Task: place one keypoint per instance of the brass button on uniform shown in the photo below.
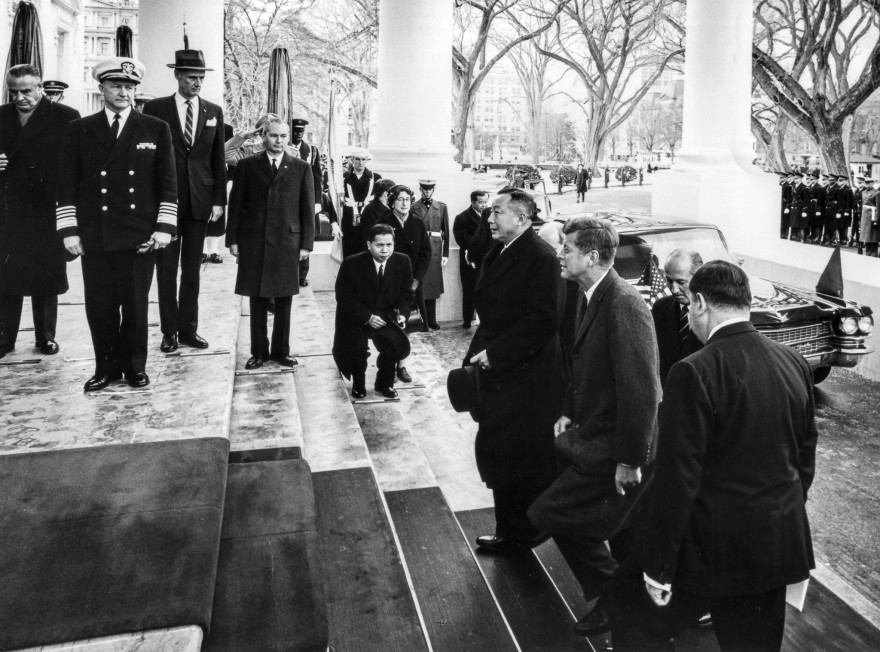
(103, 191)
(103, 173)
(131, 172)
(103, 208)
(132, 205)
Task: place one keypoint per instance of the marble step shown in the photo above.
(265, 409)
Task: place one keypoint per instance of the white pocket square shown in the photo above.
(146, 145)
(211, 123)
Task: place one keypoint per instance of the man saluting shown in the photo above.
(117, 205)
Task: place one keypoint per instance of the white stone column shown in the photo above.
(160, 34)
(412, 139)
(713, 179)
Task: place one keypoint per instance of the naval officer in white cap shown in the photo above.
(117, 205)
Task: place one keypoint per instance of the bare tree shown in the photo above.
(803, 62)
(532, 67)
(469, 55)
(618, 49)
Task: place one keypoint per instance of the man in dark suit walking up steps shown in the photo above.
(373, 298)
(200, 160)
(725, 527)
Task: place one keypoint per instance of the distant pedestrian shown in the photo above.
(559, 180)
(581, 183)
(607, 176)
(641, 175)
(649, 168)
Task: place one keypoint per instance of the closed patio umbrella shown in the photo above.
(27, 40)
(124, 42)
(280, 98)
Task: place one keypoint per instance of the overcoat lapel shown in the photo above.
(201, 119)
(593, 307)
(22, 135)
(101, 129)
(283, 168)
(499, 262)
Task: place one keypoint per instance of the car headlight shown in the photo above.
(849, 325)
(866, 324)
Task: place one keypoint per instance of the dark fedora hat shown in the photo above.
(189, 59)
(463, 387)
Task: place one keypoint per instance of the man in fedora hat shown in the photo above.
(117, 205)
(308, 153)
(200, 158)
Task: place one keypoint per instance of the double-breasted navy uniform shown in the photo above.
(114, 194)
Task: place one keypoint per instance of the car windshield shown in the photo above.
(636, 249)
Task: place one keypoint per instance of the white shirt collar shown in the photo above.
(181, 101)
(277, 157)
(377, 264)
(123, 117)
(589, 293)
(726, 322)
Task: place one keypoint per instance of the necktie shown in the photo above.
(189, 124)
(683, 326)
(274, 166)
(114, 128)
(381, 271)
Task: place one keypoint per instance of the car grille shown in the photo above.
(810, 339)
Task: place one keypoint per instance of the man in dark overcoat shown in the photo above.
(519, 296)
(464, 228)
(435, 215)
(197, 131)
(675, 338)
(785, 208)
(410, 238)
(373, 296)
(32, 262)
(800, 207)
(725, 528)
(378, 210)
(357, 188)
(310, 154)
(606, 436)
(117, 205)
(271, 228)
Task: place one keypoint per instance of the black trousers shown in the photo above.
(280, 345)
(468, 281)
(117, 287)
(180, 313)
(391, 349)
(592, 561)
(741, 622)
(45, 311)
(511, 521)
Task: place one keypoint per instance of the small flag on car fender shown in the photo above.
(831, 281)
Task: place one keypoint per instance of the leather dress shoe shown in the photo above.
(494, 543)
(358, 391)
(285, 361)
(169, 344)
(705, 620)
(303, 282)
(597, 621)
(100, 381)
(433, 325)
(204, 258)
(194, 340)
(387, 392)
(403, 375)
(4, 349)
(138, 379)
(255, 362)
(215, 258)
(49, 347)
(466, 325)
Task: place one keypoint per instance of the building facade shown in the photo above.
(100, 18)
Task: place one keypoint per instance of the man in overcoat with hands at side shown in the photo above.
(271, 228)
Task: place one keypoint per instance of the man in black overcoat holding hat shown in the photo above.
(31, 256)
(520, 298)
(271, 228)
(198, 136)
(373, 297)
